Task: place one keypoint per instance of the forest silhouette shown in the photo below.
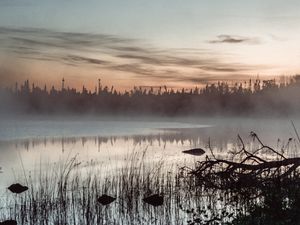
(253, 97)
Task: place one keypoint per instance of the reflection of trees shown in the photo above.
(181, 137)
(161, 139)
(240, 98)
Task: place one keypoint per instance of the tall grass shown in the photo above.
(67, 192)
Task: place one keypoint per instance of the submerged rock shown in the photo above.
(155, 200)
(105, 199)
(17, 188)
(194, 151)
(8, 222)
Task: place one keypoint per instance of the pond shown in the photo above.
(108, 147)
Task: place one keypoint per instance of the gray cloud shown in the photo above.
(231, 39)
(122, 54)
(79, 59)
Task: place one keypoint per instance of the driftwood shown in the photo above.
(247, 169)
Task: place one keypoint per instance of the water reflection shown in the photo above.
(108, 151)
(166, 143)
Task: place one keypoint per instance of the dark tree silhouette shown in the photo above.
(252, 97)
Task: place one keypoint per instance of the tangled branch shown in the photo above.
(246, 169)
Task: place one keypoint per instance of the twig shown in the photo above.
(254, 135)
(210, 149)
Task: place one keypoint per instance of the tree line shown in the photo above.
(220, 98)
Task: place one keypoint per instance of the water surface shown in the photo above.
(26, 145)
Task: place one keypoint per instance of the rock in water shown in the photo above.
(8, 222)
(194, 151)
(17, 188)
(155, 200)
(105, 199)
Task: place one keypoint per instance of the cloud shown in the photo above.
(231, 39)
(79, 59)
(135, 68)
(115, 53)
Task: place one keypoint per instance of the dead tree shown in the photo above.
(247, 169)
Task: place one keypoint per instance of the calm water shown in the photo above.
(28, 144)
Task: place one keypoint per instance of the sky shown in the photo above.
(178, 43)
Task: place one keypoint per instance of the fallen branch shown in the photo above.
(251, 170)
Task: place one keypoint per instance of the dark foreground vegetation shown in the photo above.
(264, 182)
(254, 184)
(263, 97)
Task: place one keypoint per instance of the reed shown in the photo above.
(67, 192)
